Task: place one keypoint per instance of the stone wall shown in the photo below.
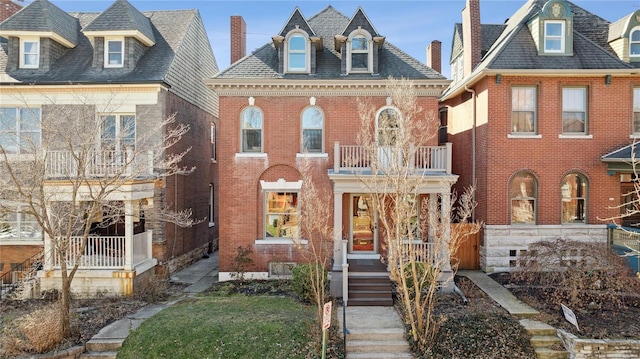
(599, 348)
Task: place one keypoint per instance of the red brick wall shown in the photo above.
(241, 200)
(15, 254)
(8, 8)
(238, 38)
(549, 158)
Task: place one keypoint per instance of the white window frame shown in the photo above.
(635, 121)
(279, 186)
(16, 233)
(383, 130)
(243, 130)
(634, 42)
(108, 40)
(572, 109)
(568, 197)
(211, 208)
(515, 108)
(368, 51)
(18, 132)
(23, 53)
(524, 197)
(305, 52)
(213, 142)
(119, 138)
(561, 37)
(303, 148)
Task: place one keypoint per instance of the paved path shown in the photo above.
(499, 293)
(200, 275)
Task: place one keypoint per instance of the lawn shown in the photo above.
(234, 326)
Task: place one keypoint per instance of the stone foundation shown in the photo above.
(599, 348)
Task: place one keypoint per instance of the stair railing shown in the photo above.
(19, 274)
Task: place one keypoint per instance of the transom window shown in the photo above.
(387, 127)
(282, 212)
(359, 53)
(312, 129)
(574, 198)
(114, 53)
(118, 132)
(574, 110)
(251, 126)
(297, 53)
(636, 110)
(554, 34)
(523, 110)
(523, 192)
(634, 43)
(30, 53)
(19, 129)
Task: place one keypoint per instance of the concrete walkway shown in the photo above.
(200, 275)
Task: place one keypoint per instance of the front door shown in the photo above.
(363, 239)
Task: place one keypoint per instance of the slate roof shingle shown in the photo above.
(121, 15)
(42, 16)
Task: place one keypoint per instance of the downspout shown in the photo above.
(473, 146)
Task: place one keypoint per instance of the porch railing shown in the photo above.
(426, 158)
(418, 250)
(98, 163)
(106, 252)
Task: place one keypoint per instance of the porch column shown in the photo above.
(432, 217)
(337, 230)
(128, 235)
(445, 218)
(48, 253)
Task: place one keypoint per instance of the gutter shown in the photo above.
(473, 145)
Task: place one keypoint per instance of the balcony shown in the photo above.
(98, 164)
(425, 159)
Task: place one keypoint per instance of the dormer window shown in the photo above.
(359, 57)
(297, 53)
(29, 53)
(634, 42)
(554, 36)
(114, 52)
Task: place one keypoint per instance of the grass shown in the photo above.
(235, 326)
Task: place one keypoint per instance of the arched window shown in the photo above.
(387, 127)
(523, 192)
(312, 130)
(297, 53)
(251, 121)
(574, 198)
(359, 53)
(634, 42)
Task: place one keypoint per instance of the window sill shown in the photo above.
(634, 136)
(212, 224)
(21, 242)
(286, 241)
(576, 137)
(312, 155)
(213, 160)
(527, 136)
(251, 155)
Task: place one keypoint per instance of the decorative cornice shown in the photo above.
(251, 87)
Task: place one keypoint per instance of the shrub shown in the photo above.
(302, 282)
(36, 332)
(425, 276)
(150, 289)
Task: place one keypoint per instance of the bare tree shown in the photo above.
(67, 163)
(396, 140)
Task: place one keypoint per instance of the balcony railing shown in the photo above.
(106, 252)
(429, 159)
(98, 163)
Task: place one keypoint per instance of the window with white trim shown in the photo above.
(574, 110)
(118, 132)
(574, 198)
(554, 36)
(636, 110)
(19, 226)
(312, 130)
(213, 141)
(634, 42)
(251, 121)
(282, 213)
(523, 192)
(523, 109)
(114, 52)
(359, 58)
(29, 53)
(211, 218)
(20, 129)
(297, 53)
(388, 127)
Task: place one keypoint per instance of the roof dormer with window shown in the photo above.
(359, 45)
(36, 45)
(552, 29)
(297, 45)
(120, 35)
(624, 37)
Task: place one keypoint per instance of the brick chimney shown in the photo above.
(434, 55)
(472, 35)
(238, 38)
(8, 8)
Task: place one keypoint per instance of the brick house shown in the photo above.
(295, 99)
(129, 70)
(542, 110)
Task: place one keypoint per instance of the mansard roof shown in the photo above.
(122, 16)
(43, 17)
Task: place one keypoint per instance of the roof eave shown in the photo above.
(138, 35)
(47, 34)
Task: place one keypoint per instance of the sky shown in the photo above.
(409, 25)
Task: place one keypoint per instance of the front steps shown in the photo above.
(544, 340)
(102, 348)
(370, 289)
(376, 332)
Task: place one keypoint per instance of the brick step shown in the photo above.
(375, 334)
(546, 353)
(534, 327)
(377, 346)
(540, 341)
(103, 345)
(99, 355)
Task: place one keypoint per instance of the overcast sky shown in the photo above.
(410, 25)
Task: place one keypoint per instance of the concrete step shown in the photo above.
(540, 341)
(546, 353)
(535, 327)
(368, 302)
(375, 334)
(99, 355)
(103, 345)
(377, 346)
(366, 293)
(406, 355)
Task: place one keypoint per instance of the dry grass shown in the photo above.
(35, 332)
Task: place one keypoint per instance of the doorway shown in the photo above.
(363, 239)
